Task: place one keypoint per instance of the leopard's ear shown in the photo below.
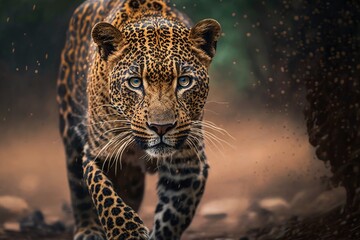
(107, 37)
(205, 35)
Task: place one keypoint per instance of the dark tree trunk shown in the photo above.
(331, 70)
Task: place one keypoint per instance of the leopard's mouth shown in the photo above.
(155, 147)
(161, 146)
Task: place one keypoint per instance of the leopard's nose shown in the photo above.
(161, 129)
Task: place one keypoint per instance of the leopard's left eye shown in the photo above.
(135, 82)
(184, 81)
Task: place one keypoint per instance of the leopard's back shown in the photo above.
(74, 68)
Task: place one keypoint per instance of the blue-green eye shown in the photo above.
(184, 81)
(135, 82)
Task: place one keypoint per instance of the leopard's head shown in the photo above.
(158, 77)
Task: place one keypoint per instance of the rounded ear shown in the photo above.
(107, 37)
(205, 35)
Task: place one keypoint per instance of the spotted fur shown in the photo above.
(131, 90)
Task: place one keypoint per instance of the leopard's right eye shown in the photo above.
(135, 82)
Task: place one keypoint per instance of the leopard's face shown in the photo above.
(158, 80)
(162, 98)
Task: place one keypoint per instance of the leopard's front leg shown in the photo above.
(118, 219)
(180, 188)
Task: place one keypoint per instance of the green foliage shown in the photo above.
(30, 29)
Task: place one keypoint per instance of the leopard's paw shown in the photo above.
(89, 234)
(144, 233)
(141, 233)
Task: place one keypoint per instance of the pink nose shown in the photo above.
(161, 129)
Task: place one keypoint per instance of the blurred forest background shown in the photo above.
(286, 72)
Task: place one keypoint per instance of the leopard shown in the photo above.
(131, 90)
